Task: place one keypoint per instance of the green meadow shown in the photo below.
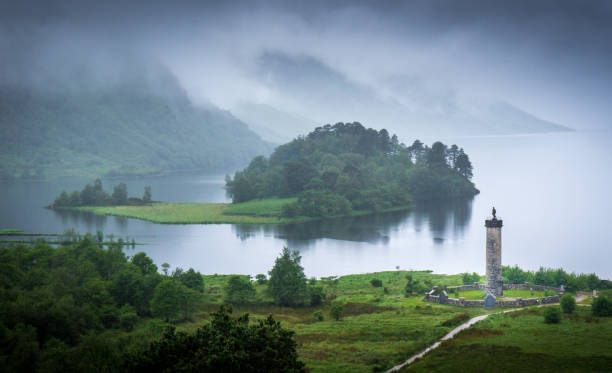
(514, 293)
(261, 211)
(521, 342)
(379, 328)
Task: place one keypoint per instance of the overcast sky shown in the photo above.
(551, 58)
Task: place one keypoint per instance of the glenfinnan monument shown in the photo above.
(494, 267)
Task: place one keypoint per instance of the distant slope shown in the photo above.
(409, 109)
(272, 124)
(143, 124)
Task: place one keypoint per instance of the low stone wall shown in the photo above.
(518, 302)
(475, 286)
(548, 300)
(527, 286)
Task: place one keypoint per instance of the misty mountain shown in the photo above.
(272, 124)
(142, 122)
(405, 106)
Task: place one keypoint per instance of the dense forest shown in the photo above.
(339, 168)
(141, 122)
(82, 308)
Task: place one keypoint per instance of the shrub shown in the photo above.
(239, 290)
(460, 318)
(335, 311)
(385, 290)
(261, 279)
(128, 319)
(568, 303)
(602, 306)
(318, 315)
(376, 282)
(552, 315)
(316, 295)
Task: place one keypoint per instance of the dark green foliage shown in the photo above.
(226, 344)
(469, 279)
(287, 284)
(165, 303)
(602, 306)
(568, 303)
(190, 278)
(125, 127)
(344, 167)
(318, 315)
(555, 277)
(59, 304)
(96, 196)
(335, 311)
(552, 315)
(316, 295)
(239, 290)
(376, 282)
(412, 285)
(261, 279)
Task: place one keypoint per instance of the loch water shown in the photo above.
(551, 190)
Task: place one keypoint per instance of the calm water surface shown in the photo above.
(552, 190)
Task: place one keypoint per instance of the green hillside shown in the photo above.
(144, 124)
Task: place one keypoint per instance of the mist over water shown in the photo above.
(551, 190)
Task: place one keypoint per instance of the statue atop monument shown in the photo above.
(494, 212)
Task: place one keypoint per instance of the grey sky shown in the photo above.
(551, 58)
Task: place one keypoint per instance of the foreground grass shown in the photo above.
(521, 342)
(264, 211)
(378, 329)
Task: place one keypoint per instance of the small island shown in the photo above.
(336, 170)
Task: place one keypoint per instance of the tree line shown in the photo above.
(555, 277)
(344, 167)
(94, 195)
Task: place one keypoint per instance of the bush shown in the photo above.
(239, 290)
(316, 295)
(335, 311)
(602, 306)
(128, 319)
(568, 303)
(247, 347)
(552, 315)
(376, 282)
(261, 279)
(318, 315)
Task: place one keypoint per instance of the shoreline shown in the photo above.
(267, 212)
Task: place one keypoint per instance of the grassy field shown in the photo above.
(514, 293)
(378, 329)
(190, 213)
(521, 342)
(264, 211)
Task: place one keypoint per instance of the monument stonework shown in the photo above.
(494, 283)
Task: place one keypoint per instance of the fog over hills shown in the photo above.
(419, 69)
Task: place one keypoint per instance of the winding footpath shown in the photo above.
(458, 329)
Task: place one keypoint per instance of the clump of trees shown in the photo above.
(555, 277)
(287, 283)
(469, 279)
(94, 195)
(568, 303)
(226, 344)
(343, 167)
(64, 307)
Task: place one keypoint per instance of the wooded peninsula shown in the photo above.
(336, 170)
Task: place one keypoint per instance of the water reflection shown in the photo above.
(445, 219)
(92, 221)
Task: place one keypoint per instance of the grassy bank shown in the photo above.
(379, 328)
(265, 211)
(522, 342)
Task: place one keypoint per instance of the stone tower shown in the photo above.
(494, 276)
